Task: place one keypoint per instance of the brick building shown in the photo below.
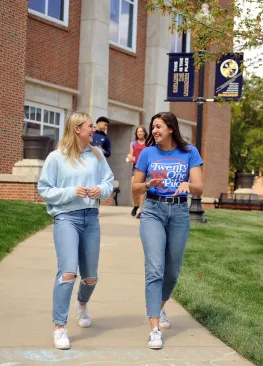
(104, 58)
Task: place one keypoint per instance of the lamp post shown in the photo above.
(196, 210)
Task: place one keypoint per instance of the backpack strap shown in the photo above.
(133, 144)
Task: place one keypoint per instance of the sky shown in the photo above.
(257, 52)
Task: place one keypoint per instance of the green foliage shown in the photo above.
(221, 279)
(246, 147)
(215, 31)
(18, 220)
(240, 21)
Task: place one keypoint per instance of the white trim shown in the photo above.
(42, 123)
(188, 41)
(128, 106)
(122, 47)
(135, 24)
(190, 123)
(46, 9)
(45, 16)
(53, 86)
(134, 28)
(66, 12)
(177, 40)
(209, 199)
(39, 105)
(120, 3)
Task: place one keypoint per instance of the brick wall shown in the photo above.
(12, 61)
(28, 192)
(108, 202)
(19, 191)
(53, 50)
(126, 70)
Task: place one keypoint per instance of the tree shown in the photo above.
(214, 34)
(246, 146)
(240, 22)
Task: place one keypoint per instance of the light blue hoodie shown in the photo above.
(59, 179)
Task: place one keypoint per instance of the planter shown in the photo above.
(36, 147)
(244, 180)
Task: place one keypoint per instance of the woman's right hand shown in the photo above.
(82, 192)
(130, 158)
(155, 182)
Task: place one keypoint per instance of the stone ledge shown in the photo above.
(19, 178)
(28, 167)
(126, 106)
(208, 199)
(52, 86)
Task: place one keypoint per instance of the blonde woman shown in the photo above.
(73, 179)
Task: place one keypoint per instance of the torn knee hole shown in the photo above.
(68, 277)
(90, 281)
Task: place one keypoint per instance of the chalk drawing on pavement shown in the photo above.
(51, 355)
(120, 356)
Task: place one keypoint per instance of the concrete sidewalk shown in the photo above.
(119, 332)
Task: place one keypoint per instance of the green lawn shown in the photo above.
(18, 220)
(221, 282)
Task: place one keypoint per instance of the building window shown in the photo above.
(186, 132)
(123, 23)
(181, 43)
(43, 121)
(54, 10)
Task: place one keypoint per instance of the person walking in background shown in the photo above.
(73, 179)
(100, 138)
(136, 147)
(162, 172)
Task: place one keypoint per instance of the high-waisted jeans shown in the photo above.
(77, 243)
(164, 231)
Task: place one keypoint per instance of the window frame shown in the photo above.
(42, 123)
(177, 41)
(47, 17)
(134, 28)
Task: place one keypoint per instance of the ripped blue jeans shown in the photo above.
(164, 231)
(77, 243)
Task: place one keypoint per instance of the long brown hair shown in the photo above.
(144, 130)
(171, 121)
(70, 144)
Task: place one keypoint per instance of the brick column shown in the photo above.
(215, 140)
(12, 62)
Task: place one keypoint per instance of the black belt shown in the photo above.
(171, 200)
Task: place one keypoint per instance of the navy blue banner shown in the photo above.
(229, 79)
(181, 75)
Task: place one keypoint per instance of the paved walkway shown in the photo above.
(119, 332)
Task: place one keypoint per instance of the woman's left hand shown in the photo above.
(94, 193)
(183, 187)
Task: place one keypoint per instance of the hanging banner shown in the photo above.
(229, 79)
(181, 74)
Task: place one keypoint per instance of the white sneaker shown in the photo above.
(83, 318)
(164, 322)
(155, 339)
(61, 340)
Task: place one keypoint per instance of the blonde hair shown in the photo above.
(70, 144)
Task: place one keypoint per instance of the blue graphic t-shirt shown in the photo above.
(172, 166)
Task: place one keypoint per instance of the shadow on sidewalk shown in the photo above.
(108, 324)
